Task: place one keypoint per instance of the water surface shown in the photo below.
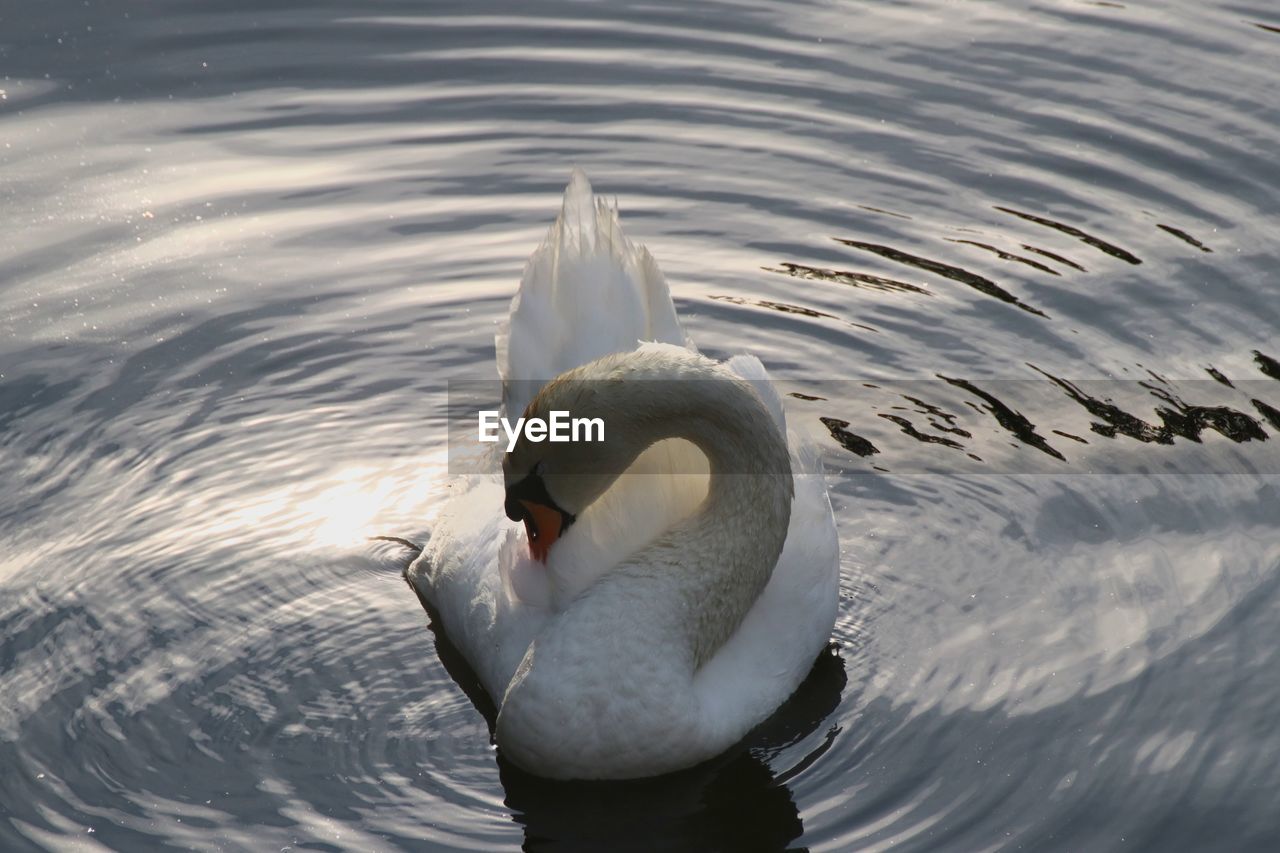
(1014, 264)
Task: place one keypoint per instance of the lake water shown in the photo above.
(1014, 262)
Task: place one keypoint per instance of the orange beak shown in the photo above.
(542, 525)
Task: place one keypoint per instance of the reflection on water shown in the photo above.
(982, 284)
(1204, 437)
(986, 250)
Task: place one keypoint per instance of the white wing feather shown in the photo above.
(587, 292)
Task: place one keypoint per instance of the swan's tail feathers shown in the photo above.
(587, 291)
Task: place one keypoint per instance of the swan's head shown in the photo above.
(639, 398)
(550, 483)
(529, 500)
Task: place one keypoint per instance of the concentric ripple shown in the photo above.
(1012, 264)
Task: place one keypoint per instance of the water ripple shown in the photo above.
(242, 251)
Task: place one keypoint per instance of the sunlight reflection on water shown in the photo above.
(245, 248)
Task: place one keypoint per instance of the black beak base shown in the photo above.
(532, 489)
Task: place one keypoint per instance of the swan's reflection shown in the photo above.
(735, 801)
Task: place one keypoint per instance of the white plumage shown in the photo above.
(596, 660)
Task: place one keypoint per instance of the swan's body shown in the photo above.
(693, 592)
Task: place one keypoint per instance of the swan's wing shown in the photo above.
(475, 571)
(587, 291)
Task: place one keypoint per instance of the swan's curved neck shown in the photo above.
(714, 565)
(617, 665)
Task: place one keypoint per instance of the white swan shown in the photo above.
(687, 569)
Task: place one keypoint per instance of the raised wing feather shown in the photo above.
(587, 291)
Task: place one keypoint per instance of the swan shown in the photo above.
(636, 605)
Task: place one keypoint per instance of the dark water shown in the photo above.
(1015, 263)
